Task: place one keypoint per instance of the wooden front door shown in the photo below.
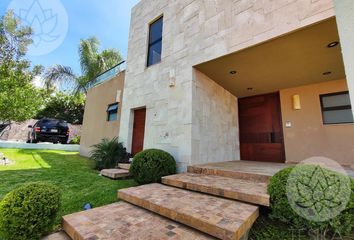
(261, 132)
(138, 131)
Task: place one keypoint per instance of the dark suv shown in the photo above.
(49, 130)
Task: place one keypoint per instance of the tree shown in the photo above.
(68, 107)
(92, 64)
(19, 99)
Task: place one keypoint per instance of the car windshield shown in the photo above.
(53, 123)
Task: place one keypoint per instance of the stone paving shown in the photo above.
(123, 221)
(115, 173)
(219, 217)
(246, 170)
(57, 236)
(247, 191)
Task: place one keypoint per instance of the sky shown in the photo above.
(108, 20)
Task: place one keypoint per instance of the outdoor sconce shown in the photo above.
(172, 78)
(296, 102)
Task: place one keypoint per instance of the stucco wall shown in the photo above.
(95, 125)
(308, 136)
(196, 31)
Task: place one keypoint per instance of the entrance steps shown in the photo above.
(210, 201)
(123, 221)
(245, 170)
(219, 217)
(236, 189)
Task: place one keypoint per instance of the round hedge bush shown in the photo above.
(150, 165)
(29, 211)
(281, 209)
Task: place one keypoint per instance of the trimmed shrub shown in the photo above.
(108, 153)
(282, 210)
(150, 165)
(29, 211)
(75, 140)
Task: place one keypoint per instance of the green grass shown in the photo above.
(72, 173)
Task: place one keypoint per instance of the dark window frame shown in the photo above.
(327, 109)
(151, 44)
(115, 111)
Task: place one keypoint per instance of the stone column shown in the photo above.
(345, 20)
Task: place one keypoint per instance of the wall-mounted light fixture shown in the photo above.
(296, 102)
(172, 78)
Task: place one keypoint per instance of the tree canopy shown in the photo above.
(92, 62)
(19, 99)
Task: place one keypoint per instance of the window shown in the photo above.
(155, 42)
(336, 108)
(112, 112)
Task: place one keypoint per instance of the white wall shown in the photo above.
(345, 21)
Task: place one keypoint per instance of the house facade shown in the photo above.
(219, 80)
(102, 109)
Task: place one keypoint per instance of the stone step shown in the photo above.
(246, 170)
(115, 173)
(219, 217)
(123, 221)
(237, 189)
(125, 166)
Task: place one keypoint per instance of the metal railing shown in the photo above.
(110, 73)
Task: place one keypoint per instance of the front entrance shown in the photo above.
(138, 130)
(261, 133)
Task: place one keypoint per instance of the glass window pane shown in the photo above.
(112, 116)
(338, 116)
(336, 100)
(113, 107)
(155, 53)
(156, 31)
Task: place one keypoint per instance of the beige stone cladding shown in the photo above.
(188, 119)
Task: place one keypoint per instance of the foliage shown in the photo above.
(150, 165)
(19, 99)
(107, 153)
(29, 211)
(73, 174)
(266, 228)
(283, 211)
(63, 106)
(92, 62)
(75, 140)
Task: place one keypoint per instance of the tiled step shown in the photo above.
(237, 189)
(123, 221)
(115, 173)
(219, 217)
(246, 170)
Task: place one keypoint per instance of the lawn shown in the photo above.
(73, 174)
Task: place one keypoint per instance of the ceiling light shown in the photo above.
(233, 72)
(333, 44)
(250, 88)
(327, 73)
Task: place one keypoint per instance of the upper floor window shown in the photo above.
(155, 42)
(112, 112)
(336, 108)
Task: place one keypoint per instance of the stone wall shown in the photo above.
(196, 31)
(215, 135)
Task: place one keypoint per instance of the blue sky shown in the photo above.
(108, 20)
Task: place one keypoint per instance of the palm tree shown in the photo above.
(92, 64)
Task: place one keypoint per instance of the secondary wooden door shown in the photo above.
(138, 131)
(261, 132)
